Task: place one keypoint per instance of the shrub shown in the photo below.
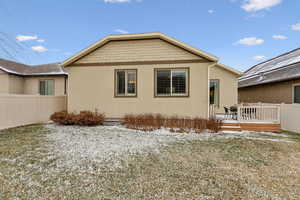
(84, 118)
(150, 122)
(88, 118)
(64, 118)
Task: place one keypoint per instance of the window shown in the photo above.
(214, 94)
(47, 87)
(125, 83)
(297, 94)
(171, 82)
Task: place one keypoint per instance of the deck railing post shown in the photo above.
(278, 113)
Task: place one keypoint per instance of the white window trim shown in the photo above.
(126, 83)
(186, 94)
(293, 92)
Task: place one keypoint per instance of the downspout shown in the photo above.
(208, 88)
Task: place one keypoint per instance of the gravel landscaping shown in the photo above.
(69, 162)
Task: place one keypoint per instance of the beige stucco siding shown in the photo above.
(137, 50)
(4, 83)
(31, 85)
(228, 86)
(16, 84)
(281, 92)
(92, 88)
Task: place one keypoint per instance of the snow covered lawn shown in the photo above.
(67, 162)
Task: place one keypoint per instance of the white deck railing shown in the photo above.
(262, 113)
(212, 110)
(251, 113)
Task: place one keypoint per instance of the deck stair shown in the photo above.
(254, 126)
(231, 127)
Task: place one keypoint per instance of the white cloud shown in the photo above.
(121, 31)
(296, 27)
(255, 5)
(23, 38)
(39, 48)
(250, 41)
(210, 11)
(280, 37)
(258, 57)
(40, 40)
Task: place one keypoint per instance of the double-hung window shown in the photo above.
(171, 82)
(46, 87)
(126, 83)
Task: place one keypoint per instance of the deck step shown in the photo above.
(230, 127)
(259, 127)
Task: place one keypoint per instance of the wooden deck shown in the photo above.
(259, 127)
(257, 117)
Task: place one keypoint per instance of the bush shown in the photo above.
(87, 118)
(84, 118)
(150, 122)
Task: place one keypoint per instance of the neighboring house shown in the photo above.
(148, 73)
(274, 81)
(17, 78)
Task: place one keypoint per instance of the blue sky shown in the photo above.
(240, 32)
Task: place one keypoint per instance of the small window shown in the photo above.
(47, 87)
(214, 94)
(126, 83)
(297, 94)
(171, 82)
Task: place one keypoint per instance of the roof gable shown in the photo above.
(136, 37)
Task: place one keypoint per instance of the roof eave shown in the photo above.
(230, 69)
(33, 74)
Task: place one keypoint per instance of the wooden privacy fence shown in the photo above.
(19, 110)
(262, 113)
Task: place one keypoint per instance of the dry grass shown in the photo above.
(217, 168)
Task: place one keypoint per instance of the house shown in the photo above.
(17, 78)
(148, 73)
(273, 81)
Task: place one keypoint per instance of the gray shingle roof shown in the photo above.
(280, 68)
(15, 68)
